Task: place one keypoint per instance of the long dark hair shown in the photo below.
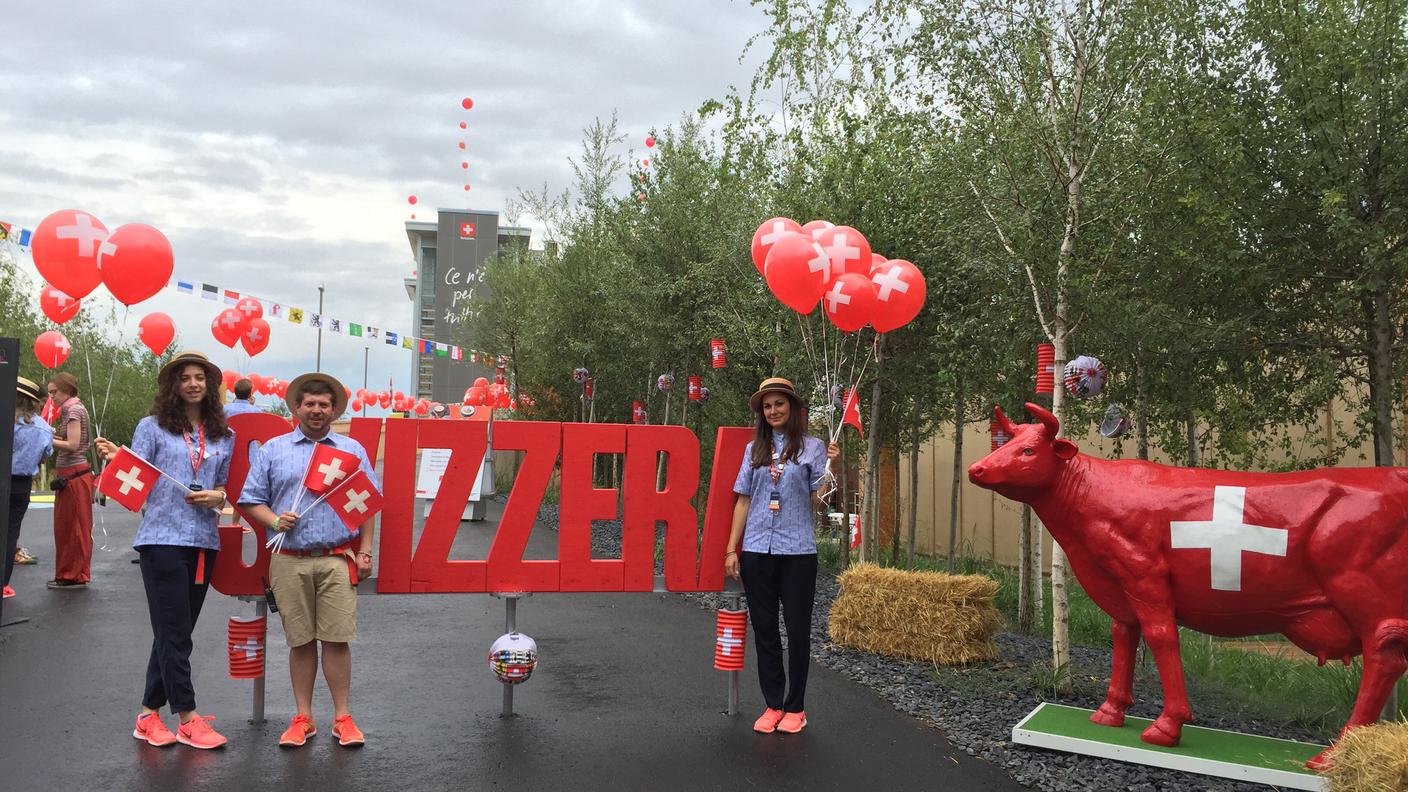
(169, 408)
(795, 430)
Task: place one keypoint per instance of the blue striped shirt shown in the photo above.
(788, 530)
(240, 407)
(34, 441)
(168, 519)
(276, 480)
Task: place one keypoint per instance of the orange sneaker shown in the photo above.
(347, 733)
(151, 728)
(767, 722)
(792, 722)
(8, 592)
(298, 732)
(197, 733)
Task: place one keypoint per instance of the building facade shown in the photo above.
(450, 254)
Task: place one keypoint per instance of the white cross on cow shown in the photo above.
(357, 501)
(332, 471)
(836, 297)
(727, 642)
(779, 229)
(83, 230)
(840, 252)
(889, 280)
(1227, 535)
(131, 480)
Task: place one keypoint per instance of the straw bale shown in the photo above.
(931, 616)
(1371, 759)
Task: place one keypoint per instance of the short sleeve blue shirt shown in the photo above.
(787, 530)
(169, 519)
(34, 441)
(276, 480)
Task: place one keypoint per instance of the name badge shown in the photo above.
(775, 500)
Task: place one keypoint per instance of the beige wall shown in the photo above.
(988, 523)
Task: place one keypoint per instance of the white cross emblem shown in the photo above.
(59, 297)
(249, 309)
(357, 501)
(62, 345)
(817, 232)
(251, 648)
(1227, 535)
(836, 297)
(230, 320)
(727, 642)
(107, 248)
(779, 229)
(131, 480)
(83, 230)
(840, 252)
(254, 334)
(890, 280)
(332, 471)
(819, 262)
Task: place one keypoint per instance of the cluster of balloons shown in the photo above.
(243, 323)
(820, 261)
(75, 253)
(484, 393)
(264, 386)
(644, 164)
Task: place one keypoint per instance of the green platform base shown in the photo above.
(1225, 754)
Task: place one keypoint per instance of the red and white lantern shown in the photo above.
(1045, 368)
(590, 387)
(247, 641)
(696, 382)
(638, 414)
(730, 640)
(717, 353)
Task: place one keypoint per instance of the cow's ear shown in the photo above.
(1064, 448)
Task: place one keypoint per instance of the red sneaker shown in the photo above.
(197, 733)
(298, 732)
(152, 728)
(792, 722)
(767, 722)
(7, 592)
(347, 733)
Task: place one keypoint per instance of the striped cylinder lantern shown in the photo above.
(717, 353)
(247, 641)
(1045, 368)
(729, 643)
(696, 382)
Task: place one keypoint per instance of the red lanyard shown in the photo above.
(197, 457)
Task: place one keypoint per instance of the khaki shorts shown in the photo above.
(315, 597)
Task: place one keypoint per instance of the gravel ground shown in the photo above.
(977, 706)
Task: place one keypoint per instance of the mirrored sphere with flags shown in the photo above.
(513, 657)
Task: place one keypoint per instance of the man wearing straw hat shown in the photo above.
(316, 566)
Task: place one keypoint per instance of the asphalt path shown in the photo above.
(625, 697)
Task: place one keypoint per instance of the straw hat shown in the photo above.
(173, 367)
(26, 387)
(774, 385)
(294, 394)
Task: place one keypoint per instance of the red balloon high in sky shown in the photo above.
(65, 250)
(467, 103)
(135, 262)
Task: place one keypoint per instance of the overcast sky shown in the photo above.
(276, 143)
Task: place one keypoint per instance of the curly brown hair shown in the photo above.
(169, 408)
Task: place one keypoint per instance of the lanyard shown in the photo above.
(775, 469)
(197, 456)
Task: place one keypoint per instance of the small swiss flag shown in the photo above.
(855, 531)
(355, 501)
(128, 479)
(466, 230)
(327, 467)
(851, 414)
(50, 412)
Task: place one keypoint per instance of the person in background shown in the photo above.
(73, 488)
(244, 400)
(777, 484)
(34, 441)
(185, 435)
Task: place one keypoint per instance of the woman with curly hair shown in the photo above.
(186, 437)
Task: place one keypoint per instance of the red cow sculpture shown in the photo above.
(1317, 555)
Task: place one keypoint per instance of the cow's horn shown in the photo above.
(1046, 418)
(1003, 422)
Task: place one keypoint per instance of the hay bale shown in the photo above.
(929, 616)
(1371, 759)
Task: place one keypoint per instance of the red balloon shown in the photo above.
(156, 331)
(645, 163)
(136, 262)
(255, 338)
(56, 305)
(815, 227)
(229, 378)
(256, 382)
(849, 302)
(412, 200)
(899, 294)
(466, 188)
(461, 145)
(356, 405)
(464, 165)
(796, 270)
(768, 233)
(467, 103)
(503, 402)
(476, 396)
(463, 125)
(249, 308)
(422, 407)
(650, 141)
(384, 400)
(51, 349)
(847, 249)
(281, 389)
(876, 260)
(481, 382)
(413, 217)
(65, 250)
(227, 326)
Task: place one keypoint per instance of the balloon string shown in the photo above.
(122, 334)
(827, 379)
(805, 330)
(855, 388)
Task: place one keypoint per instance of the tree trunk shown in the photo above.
(1191, 426)
(895, 528)
(870, 533)
(958, 409)
(1024, 573)
(1141, 413)
(913, 485)
(1381, 377)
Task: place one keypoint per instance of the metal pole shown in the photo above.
(261, 610)
(366, 357)
(318, 366)
(510, 621)
(734, 603)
